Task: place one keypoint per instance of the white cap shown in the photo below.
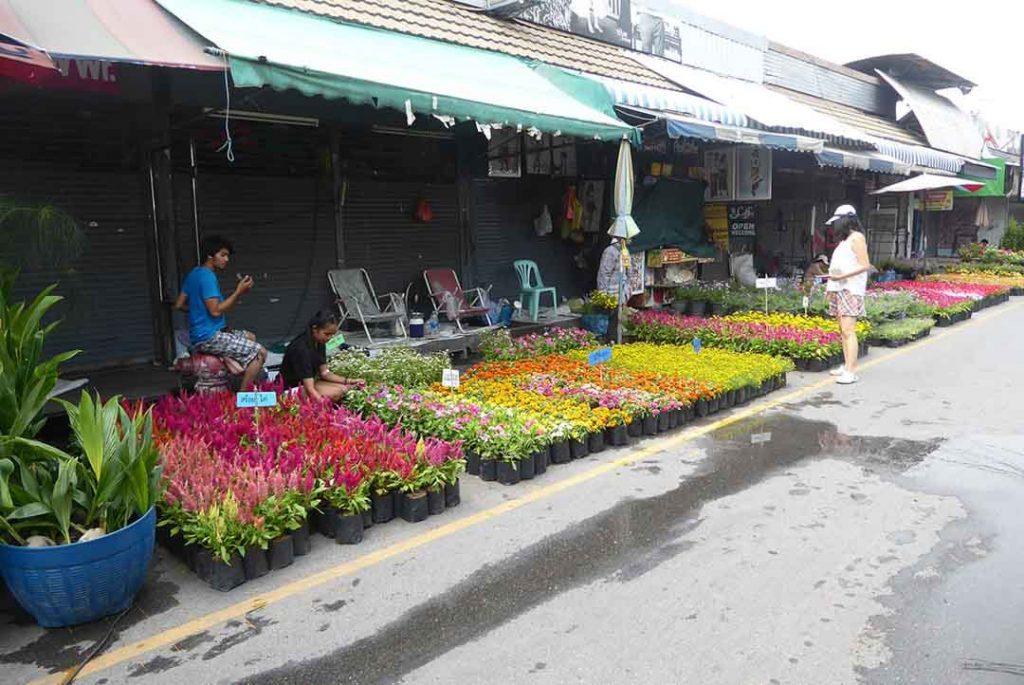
(841, 211)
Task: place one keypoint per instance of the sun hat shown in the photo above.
(841, 211)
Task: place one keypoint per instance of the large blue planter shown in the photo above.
(595, 323)
(83, 581)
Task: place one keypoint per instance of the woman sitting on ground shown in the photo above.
(305, 361)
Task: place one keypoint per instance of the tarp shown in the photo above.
(678, 126)
(131, 31)
(287, 49)
(671, 216)
(929, 182)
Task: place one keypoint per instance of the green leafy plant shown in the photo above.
(904, 329)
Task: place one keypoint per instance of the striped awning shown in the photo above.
(681, 126)
(865, 160)
(626, 94)
(917, 155)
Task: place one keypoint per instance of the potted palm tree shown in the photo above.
(77, 523)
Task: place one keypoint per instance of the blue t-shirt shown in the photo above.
(200, 285)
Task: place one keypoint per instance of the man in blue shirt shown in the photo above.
(202, 299)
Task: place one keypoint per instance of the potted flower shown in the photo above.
(346, 493)
(596, 312)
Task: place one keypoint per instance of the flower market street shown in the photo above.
(822, 534)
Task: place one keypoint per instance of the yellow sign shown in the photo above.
(936, 201)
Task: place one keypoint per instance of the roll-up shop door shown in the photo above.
(383, 236)
(502, 214)
(106, 311)
(282, 228)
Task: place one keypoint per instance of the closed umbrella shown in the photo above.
(623, 226)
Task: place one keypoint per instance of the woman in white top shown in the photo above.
(848, 280)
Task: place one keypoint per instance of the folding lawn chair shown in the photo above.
(449, 298)
(357, 300)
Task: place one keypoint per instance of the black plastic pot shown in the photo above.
(349, 529)
(767, 386)
(414, 506)
(650, 425)
(726, 399)
(716, 308)
(673, 418)
(527, 467)
(452, 494)
(327, 521)
(595, 442)
(817, 365)
(489, 469)
(255, 563)
(561, 452)
(698, 307)
(579, 448)
(383, 507)
(690, 413)
(281, 553)
(221, 576)
(680, 417)
(473, 463)
(300, 540)
(635, 428)
(435, 501)
(714, 404)
(662, 422)
(508, 472)
(741, 396)
(616, 436)
(800, 364)
(367, 518)
(701, 408)
(540, 461)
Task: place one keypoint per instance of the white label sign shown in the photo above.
(764, 283)
(759, 438)
(450, 378)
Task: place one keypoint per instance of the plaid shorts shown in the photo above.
(233, 344)
(845, 303)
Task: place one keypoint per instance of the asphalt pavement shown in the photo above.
(825, 535)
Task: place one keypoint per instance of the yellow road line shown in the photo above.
(197, 625)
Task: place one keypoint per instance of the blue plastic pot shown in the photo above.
(84, 581)
(595, 323)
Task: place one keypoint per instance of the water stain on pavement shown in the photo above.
(253, 626)
(619, 544)
(61, 648)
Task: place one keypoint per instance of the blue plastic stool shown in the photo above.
(531, 287)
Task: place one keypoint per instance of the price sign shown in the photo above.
(760, 438)
(765, 283)
(450, 378)
(374, 353)
(334, 343)
(600, 356)
(696, 345)
(255, 399)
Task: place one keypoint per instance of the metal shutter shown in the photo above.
(283, 232)
(382, 236)
(106, 311)
(502, 214)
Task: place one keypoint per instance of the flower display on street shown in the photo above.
(500, 345)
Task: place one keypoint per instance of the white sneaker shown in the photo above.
(838, 371)
(846, 378)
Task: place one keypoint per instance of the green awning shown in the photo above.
(287, 49)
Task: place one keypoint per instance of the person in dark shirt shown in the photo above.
(305, 361)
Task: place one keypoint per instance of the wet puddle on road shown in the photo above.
(619, 544)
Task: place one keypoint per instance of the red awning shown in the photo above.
(129, 31)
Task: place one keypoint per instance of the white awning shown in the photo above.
(930, 182)
(758, 103)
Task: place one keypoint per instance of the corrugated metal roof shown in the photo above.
(915, 69)
(869, 123)
(455, 23)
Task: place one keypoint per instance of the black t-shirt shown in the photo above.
(302, 360)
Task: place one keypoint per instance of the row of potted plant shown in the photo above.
(499, 345)
(898, 333)
(395, 366)
(244, 485)
(740, 335)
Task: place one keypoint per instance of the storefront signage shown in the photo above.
(719, 166)
(936, 201)
(600, 356)
(255, 399)
(742, 221)
(716, 219)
